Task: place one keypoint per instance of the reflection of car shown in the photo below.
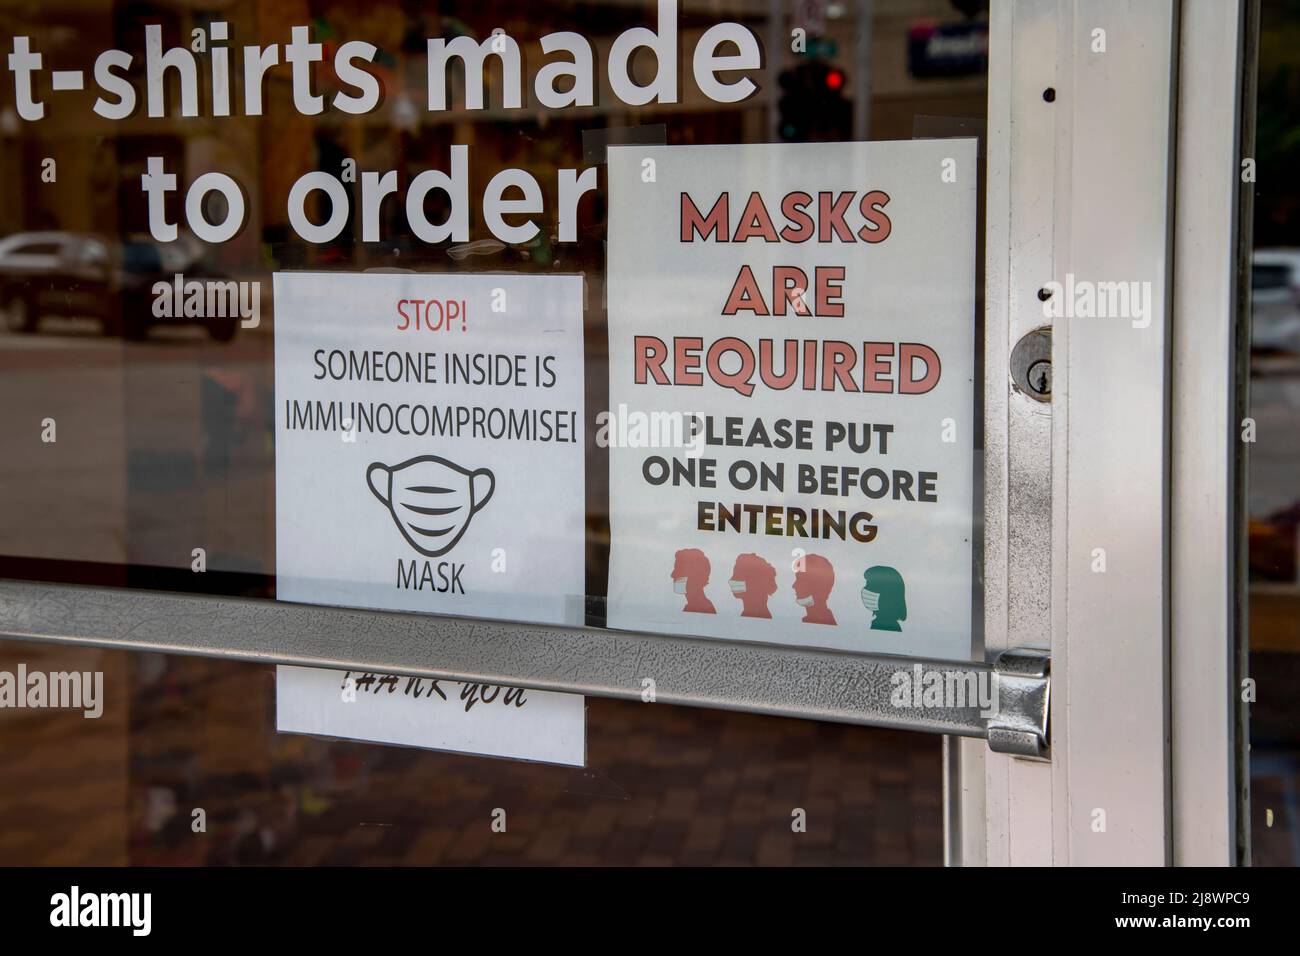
(1275, 301)
(72, 274)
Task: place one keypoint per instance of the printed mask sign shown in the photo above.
(791, 361)
(429, 443)
(485, 719)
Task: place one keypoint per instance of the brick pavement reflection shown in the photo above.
(664, 785)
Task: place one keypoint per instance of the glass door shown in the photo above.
(152, 206)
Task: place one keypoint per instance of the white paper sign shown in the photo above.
(810, 309)
(482, 719)
(429, 443)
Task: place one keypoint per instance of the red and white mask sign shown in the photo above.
(791, 362)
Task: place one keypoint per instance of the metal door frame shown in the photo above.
(1120, 550)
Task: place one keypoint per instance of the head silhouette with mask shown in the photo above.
(812, 588)
(884, 595)
(690, 574)
(752, 582)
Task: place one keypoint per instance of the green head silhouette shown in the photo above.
(883, 593)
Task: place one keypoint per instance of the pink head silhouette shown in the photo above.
(812, 588)
(690, 574)
(753, 581)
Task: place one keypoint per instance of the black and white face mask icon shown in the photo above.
(431, 499)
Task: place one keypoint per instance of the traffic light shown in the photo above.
(812, 106)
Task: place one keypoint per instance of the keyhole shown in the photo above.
(1040, 377)
(1031, 365)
